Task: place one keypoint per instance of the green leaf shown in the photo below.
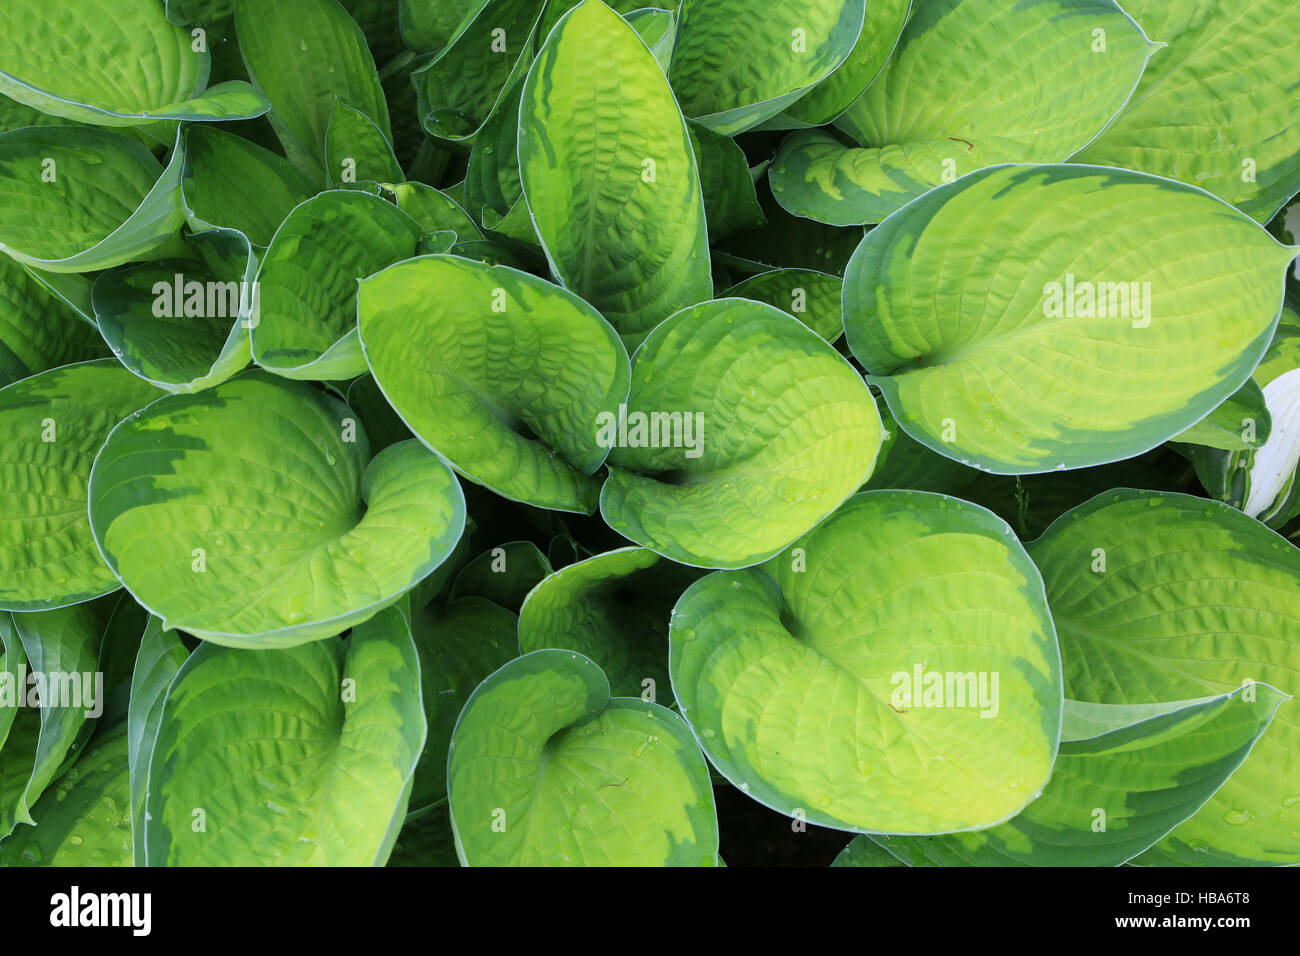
(503, 575)
(160, 658)
(38, 331)
(465, 83)
(185, 12)
(252, 515)
(293, 757)
(382, 424)
(1273, 494)
(182, 325)
(85, 818)
(302, 54)
(863, 851)
(546, 769)
(1117, 791)
(811, 297)
(1098, 345)
(144, 69)
(973, 83)
(1163, 597)
(658, 28)
(743, 430)
(1217, 108)
(54, 424)
(880, 35)
(431, 26)
(505, 378)
(307, 283)
(617, 203)
(79, 199)
(434, 210)
(895, 671)
(232, 183)
(614, 609)
(492, 186)
(62, 647)
(787, 242)
(460, 643)
(356, 149)
(1242, 422)
(731, 85)
(730, 201)
(904, 463)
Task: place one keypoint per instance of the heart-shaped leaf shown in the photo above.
(613, 608)
(147, 69)
(307, 283)
(356, 149)
(300, 756)
(731, 86)
(895, 671)
(501, 373)
(182, 325)
(546, 769)
(79, 199)
(222, 512)
(54, 425)
(973, 83)
(743, 430)
(1217, 108)
(1164, 597)
(1009, 329)
(617, 203)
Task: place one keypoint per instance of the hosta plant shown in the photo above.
(522, 432)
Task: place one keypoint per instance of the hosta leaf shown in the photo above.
(658, 28)
(54, 424)
(232, 183)
(13, 663)
(144, 69)
(501, 373)
(434, 210)
(905, 463)
(465, 83)
(1164, 597)
(617, 203)
(492, 186)
(1274, 495)
(613, 608)
(895, 671)
(1217, 108)
(185, 12)
(182, 325)
(160, 657)
(503, 575)
(729, 85)
(1240, 423)
(1115, 793)
(546, 769)
(222, 512)
(302, 54)
(356, 149)
(743, 430)
(835, 94)
(79, 199)
(38, 332)
(85, 818)
(1008, 329)
(307, 283)
(430, 25)
(290, 757)
(972, 84)
(460, 643)
(863, 851)
(730, 201)
(62, 647)
(811, 297)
